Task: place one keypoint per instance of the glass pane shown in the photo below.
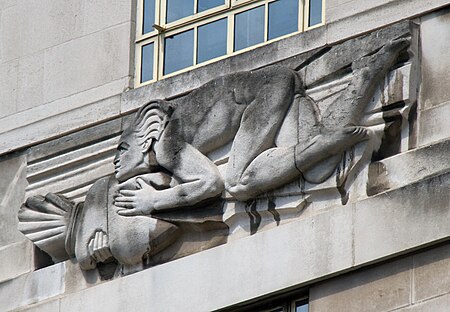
(283, 18)
(149, 16)
(177, 9)
(315, 12)
(147, 62)
(249, 28)
(212, 40)
(178, 51)
(301, 307)
(204, 5)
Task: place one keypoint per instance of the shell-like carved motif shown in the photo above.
(46, 222)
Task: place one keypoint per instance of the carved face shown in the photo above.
(130, 159)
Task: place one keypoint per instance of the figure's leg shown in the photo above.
(368, 72)
(349, 109)
(254, 165)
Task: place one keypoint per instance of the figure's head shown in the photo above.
(132, 156)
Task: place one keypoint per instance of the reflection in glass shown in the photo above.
(147, 62)
(315, 12)
(283, 18)
(204, 5)
(301, 307)
(149, 16)
(178, 51)
(249, 28)
(177, 9)
(212, 40)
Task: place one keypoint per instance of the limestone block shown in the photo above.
(15, 260)
(12, 194)
(339, 9)
(382, 288)
(7, 3)
(431, 278)
(30, 81)
(399, 220)
(50, 306)
(17, 133)
(22, 32)
(98, 15)
(98, 58)
(435, 36)
(396, 171)
(438, 304)
(8, 91)
(32, 288)
(434, 124)
(360, 22)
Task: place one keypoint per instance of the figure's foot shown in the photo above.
(384, 56)
(319, 160)
(338, 141)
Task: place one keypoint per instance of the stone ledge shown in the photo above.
(409, 167)
(286, 257)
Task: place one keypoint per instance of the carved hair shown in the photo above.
(150, 122)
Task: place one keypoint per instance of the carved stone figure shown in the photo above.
(165, 183)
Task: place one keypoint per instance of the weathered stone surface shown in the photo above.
(15, 260)
(99, 58)
(30, 91)
(435, 61)
(431, 278)
(8, 91)
(29, 289)
(400, 220)
(396, 171)
(22, 32)
(51, 306)
(249, 267)
(382, 288)
(24, 132)
(98, 15)
(438, 304)
(12, 193)
(355, 22)
(434, 124)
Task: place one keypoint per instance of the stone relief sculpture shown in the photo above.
(166, 185)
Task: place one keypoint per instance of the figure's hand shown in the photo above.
(99, 247)
(136, 202)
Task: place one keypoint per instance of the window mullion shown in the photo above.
(266, 21)
(195, 45)
(230, 34)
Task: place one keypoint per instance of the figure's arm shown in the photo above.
(200, 179)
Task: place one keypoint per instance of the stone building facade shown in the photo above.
(373, 235)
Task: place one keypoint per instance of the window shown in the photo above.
(282, 303)
(175, 35)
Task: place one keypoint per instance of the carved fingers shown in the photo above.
(99, 247)
(135, 202)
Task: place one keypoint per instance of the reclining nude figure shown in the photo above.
(162, 161)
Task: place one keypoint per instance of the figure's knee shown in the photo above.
(239, 190)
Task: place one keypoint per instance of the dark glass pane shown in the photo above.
(147, 62)
(177, 9)
(149, 16)
(204, 5)
(212, 40)
(301, 307)
(283, 18)
(178, 51)
(249, 28)
(315, 12)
